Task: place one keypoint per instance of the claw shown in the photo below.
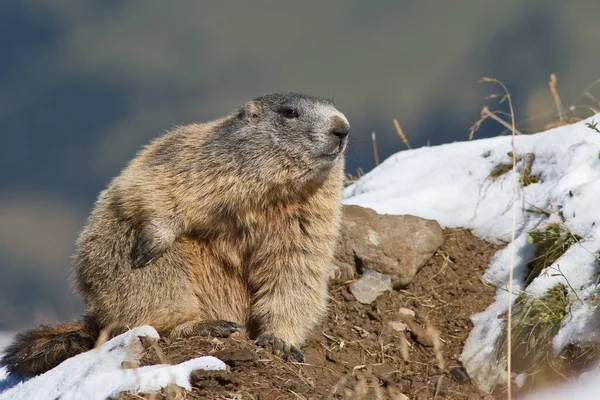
(218, 328)
(264, 340)
(280, 348)
(297, 354)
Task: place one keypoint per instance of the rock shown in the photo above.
(407, 312)
(395, 245)
(398, 326)
(370, 286)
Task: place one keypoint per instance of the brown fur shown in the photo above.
(232, 220)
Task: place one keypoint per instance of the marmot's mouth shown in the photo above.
(336, 152)
(333, 154)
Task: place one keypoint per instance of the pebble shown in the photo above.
(406, 311)
(370, 286)
(398, 326)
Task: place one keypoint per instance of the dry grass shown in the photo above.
(349, 179)
(552, 241)
(401, 133)
(524, 166)
(500, 170)
(375, 151)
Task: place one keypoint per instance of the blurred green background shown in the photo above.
(86, 83)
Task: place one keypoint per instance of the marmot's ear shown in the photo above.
(250, 111)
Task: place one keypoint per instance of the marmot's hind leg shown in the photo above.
(214, 328)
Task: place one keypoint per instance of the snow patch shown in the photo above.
(97, 374)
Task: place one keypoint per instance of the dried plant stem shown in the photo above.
(556, 97)
(487, 113)
(375, 152)
(401, 133)
(512, 239)
(515, 188)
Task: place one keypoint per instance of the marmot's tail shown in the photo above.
(42, 348)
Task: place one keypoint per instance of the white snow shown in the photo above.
(451, 184)
(97, 374)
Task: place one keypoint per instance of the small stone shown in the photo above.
(459, 374)
(519, 380)
(398, 326)
(347, 295)
(370, 286)
(361, 331)
(407, 312)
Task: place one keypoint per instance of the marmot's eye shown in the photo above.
(289, 112)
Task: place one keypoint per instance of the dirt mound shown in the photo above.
(360, 350)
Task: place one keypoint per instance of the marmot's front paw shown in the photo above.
(280, 348)
(218, 328)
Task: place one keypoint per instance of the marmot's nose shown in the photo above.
(340, 128)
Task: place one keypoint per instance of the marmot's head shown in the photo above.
(289, 133)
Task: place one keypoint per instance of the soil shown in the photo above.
(355, 353)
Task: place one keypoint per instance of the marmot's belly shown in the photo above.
(218, 284)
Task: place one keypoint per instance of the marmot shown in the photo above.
(210, 227)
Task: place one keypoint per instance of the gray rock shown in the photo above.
(398, 326)
(370, 286)
(407, 312)
(395, 245)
